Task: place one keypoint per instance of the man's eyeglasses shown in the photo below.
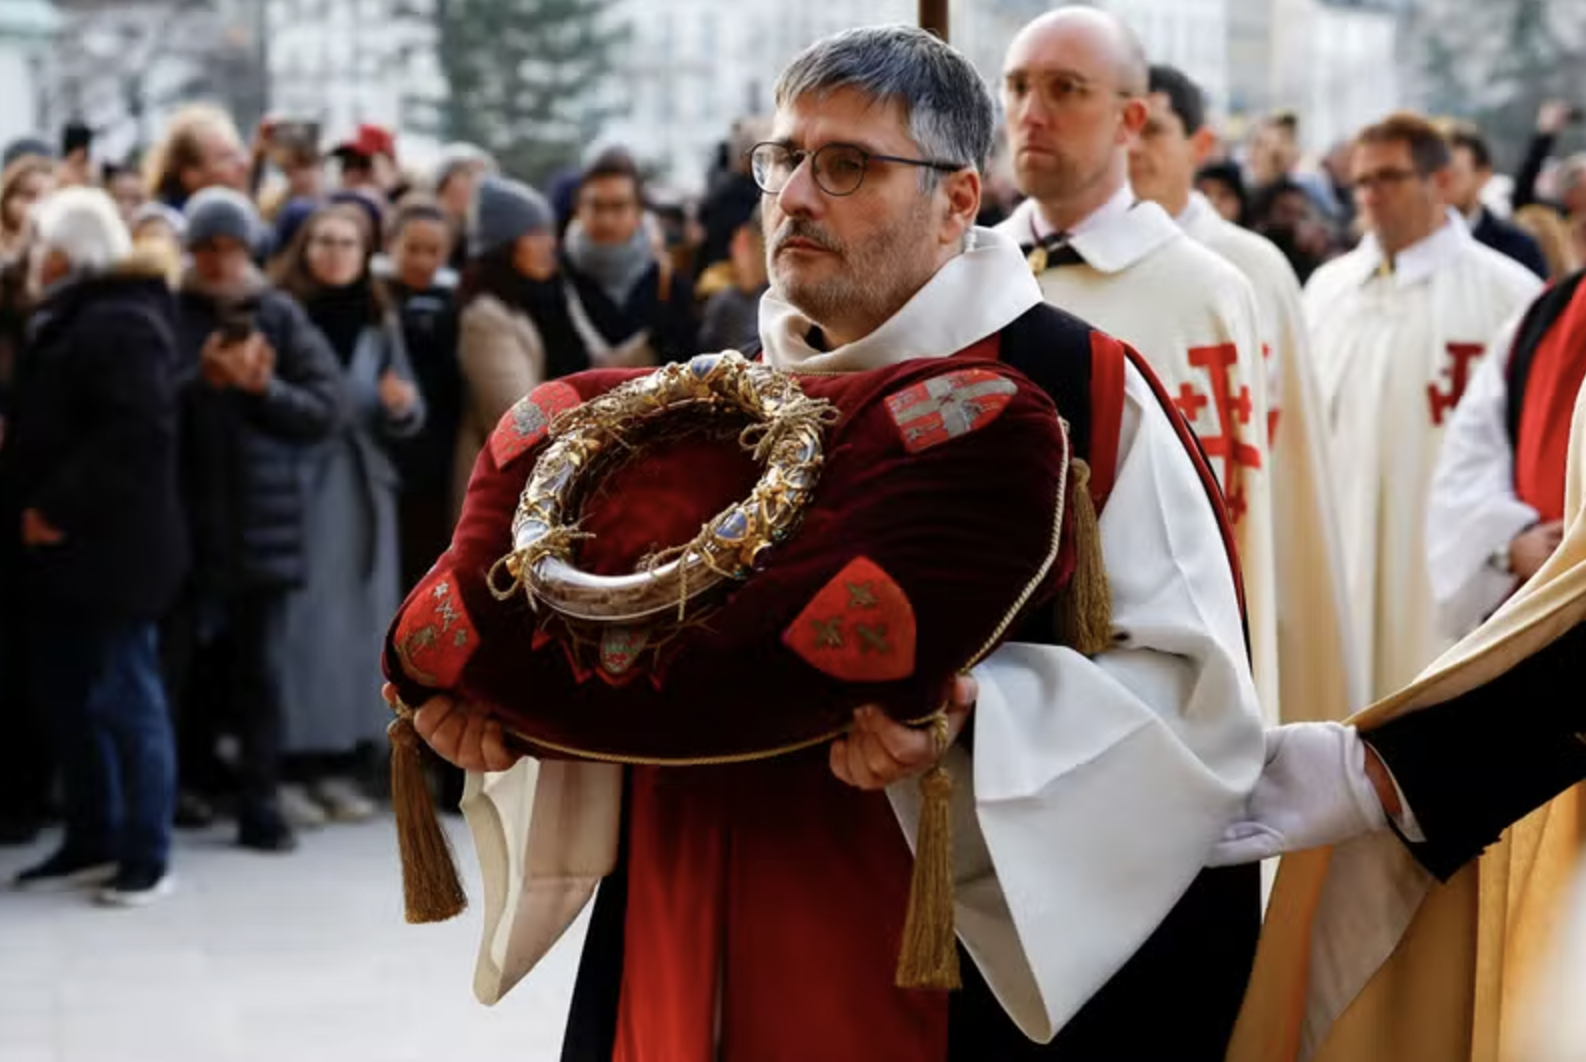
(1384, 179)
(838, 169)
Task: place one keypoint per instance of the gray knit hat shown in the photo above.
(220, 212)
(503, 211)
(154, 210)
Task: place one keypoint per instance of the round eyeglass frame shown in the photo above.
(796, 157)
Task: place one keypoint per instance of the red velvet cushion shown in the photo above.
(927, 536)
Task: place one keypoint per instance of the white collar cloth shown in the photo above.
(1119, 234)
(1417, 262)
(977, 294)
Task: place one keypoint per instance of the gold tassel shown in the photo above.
(929, 957)
(1084, 609)
(431, 888)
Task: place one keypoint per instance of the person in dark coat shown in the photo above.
(260, 389)
(629, 305)
(26, 769)
(732, 194)
(1469, 171)
(731, 320)
(328, 657)
(93, 463)
(423, 292)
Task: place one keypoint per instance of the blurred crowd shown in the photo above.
(242, 387)
(243, 382)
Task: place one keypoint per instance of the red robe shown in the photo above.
(765, 903)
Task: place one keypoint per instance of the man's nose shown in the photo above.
(800, 196)
(1028, 112)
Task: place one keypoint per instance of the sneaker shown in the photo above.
(342, 801)
(138, 887)
(264, 829)
(300, 809)
(66, 870)
(193, 812)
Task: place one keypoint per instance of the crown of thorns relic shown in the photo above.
(719, 560)
(623, 614)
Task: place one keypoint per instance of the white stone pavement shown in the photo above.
(257, 958)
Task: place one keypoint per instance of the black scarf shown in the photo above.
(341, 314)
(545, 303)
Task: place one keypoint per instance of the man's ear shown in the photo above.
(1203, 143)
(963, 191)
(1135, 114)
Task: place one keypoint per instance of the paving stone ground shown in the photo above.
(296, 958)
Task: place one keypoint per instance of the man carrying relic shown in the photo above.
(1088, 786)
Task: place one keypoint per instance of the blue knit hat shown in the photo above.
(502, 212)
(289, 219)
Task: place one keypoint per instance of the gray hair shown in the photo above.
(946, 105)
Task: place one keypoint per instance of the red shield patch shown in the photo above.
(859, 628)
(529, 420)
(943, 408)
(436, 636)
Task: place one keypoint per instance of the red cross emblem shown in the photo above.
(859, 628)
(1232, 412)
(529, 420)
(945, 407)
(1272, 402)
(436, 636)
(1457, 372)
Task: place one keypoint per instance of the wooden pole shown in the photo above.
(933, 17)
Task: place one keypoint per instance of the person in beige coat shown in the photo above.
(515, 332)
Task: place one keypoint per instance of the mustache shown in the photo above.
(803, 229)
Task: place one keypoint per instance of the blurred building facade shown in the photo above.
(28, 30)
(1335, 63)
(687, 71)
(345, 62)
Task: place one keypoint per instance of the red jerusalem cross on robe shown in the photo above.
(1457, 372)
(1232, 413)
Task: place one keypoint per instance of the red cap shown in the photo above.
(369, 141)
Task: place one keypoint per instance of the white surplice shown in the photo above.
(1320, 676)
(1096, 786)
(1473, 510)
(1394, 354)
(1194, 318)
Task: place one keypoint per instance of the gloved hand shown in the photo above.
(1313, 791)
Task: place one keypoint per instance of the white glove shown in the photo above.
(1313, 791)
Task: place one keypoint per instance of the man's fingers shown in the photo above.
(448, 735)
(839, 760)
(903, 746)
(868, 764)
(883, 764)
(859, 773)
(497, 757)
(431, 714)
(471, 747)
